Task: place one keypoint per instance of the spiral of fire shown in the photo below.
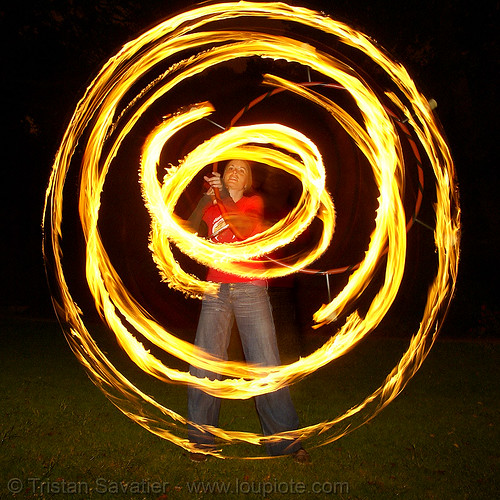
(110, 108)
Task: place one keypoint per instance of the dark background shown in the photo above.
(52, 49)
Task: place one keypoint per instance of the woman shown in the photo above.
(243, 299)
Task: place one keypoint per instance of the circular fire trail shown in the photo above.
(147, 71)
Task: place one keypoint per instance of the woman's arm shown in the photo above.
(195, 220)
(243, 223)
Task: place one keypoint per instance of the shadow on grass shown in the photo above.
(61, 438)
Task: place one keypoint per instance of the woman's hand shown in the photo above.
(215, 182)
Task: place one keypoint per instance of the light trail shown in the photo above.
(106, 115)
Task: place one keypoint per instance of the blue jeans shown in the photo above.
(249, 304)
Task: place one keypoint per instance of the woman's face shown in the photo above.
(236, 175)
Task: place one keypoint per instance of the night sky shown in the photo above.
(52, 49)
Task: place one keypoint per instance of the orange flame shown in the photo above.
(101, 111)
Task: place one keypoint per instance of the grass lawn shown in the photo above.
(61, 438)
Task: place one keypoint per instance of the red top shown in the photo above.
(219, 232)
